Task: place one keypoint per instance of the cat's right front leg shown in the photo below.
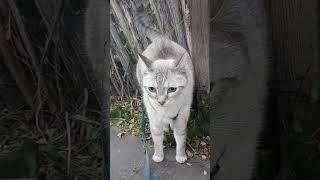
(157, 136)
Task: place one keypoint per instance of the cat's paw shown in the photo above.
(181, 159)
(157, 158)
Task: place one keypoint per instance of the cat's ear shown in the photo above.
(177, 62)
(146, 60)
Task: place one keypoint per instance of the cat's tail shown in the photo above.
(142, 21)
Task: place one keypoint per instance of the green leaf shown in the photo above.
(116, 113)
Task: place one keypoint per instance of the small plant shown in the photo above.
(197, 118)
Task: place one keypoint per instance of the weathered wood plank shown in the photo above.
(295, 46)
(170, 19)
(295, 40)
(200, 43)
(187, 21)
(124, 11)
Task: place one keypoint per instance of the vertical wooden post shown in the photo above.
(200, 57)
(295, 44)
(200, 44)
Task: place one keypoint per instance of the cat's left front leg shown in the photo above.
(180, 135)
(157, 136)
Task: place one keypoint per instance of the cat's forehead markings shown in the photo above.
(160, 70)
(161, 76)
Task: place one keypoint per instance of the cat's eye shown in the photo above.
(152, 89)
(172, 89)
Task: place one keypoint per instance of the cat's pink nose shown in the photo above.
(161, 102)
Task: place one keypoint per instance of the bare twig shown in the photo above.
(18, 73)
(191, 147)
(69, 141)
(85, 120)
(23, 33)
(85, 102)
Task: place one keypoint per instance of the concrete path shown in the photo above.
(128, 162)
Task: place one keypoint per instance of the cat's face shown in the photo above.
(164, 80)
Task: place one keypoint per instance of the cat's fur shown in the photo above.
(239, 72)
(162, 65)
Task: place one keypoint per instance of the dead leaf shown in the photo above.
(119, 123)
(203, 157)
(120, 134)
(205, 172)
(189, 153)
(203, 143)
(195, 143)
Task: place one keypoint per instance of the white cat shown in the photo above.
(165, 75)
